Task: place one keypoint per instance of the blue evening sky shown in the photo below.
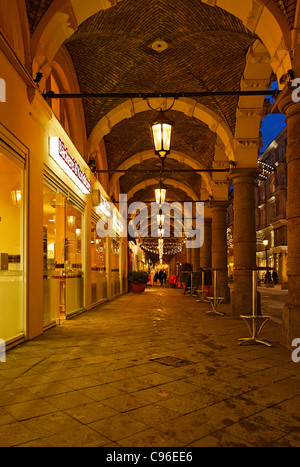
(272, 125)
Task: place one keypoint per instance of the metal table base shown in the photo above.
(255, 325)
(215, 303)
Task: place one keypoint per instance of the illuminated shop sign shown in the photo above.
(68, 164)
(106, 207)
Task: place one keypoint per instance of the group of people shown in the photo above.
(269, 277)
(161, 277)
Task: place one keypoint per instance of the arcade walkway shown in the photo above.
(98, 381)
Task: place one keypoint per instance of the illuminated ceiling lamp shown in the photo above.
(71, 221)
(161, 131)
(160, 219)
(17, 198)
(160, 194)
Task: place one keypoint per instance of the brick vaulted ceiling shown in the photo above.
(112, 53)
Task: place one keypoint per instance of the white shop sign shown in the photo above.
(68, 164)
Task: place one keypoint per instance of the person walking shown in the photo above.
(161, 277)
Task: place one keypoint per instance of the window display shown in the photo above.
(12, 273)
(98, 265)
(63, 258)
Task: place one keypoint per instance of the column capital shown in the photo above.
(240, 174)
(285, 103)
(219, 205)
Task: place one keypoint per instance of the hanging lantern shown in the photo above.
(162, 136)
(160, 219)
(160, 194)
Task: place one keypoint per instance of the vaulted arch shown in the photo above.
(170, 182)
(63, 18)
(147, 155)
(189, 107)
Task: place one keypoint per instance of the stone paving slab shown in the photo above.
(150, 370)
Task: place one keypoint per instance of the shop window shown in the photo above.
(115, 266)
(98, 265)
(63, 258)
(12, 273)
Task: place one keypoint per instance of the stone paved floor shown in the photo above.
(96, 381)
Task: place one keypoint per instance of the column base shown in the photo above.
(241, 303)
(290, 325)
(225, 292)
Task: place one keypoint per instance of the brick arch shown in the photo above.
(189, 107)
(257, 76)
(139, 158)
(170, 182)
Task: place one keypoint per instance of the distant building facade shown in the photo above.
(271, 222)
(271, 199)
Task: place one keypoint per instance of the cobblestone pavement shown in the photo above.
(150, 370)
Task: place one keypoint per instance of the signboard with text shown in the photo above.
(68, 164)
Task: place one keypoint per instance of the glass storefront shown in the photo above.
(98, 266)
(63, 258)
(115, 267)
(12, 264)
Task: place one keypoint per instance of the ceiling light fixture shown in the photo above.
(161, 130)
(160, 194)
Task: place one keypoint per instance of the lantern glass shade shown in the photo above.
(160, 195)
(162, 136)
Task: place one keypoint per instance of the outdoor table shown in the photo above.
(215, 303)
(255, 325)
(255, 322)
(203, 297)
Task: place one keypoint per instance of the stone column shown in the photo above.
(291, 312)
(205, 251)
(195, 258)
(219, 248)
(244, 238)
(188, 255)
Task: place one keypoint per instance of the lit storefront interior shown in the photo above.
(63, 258)
(12, 247)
